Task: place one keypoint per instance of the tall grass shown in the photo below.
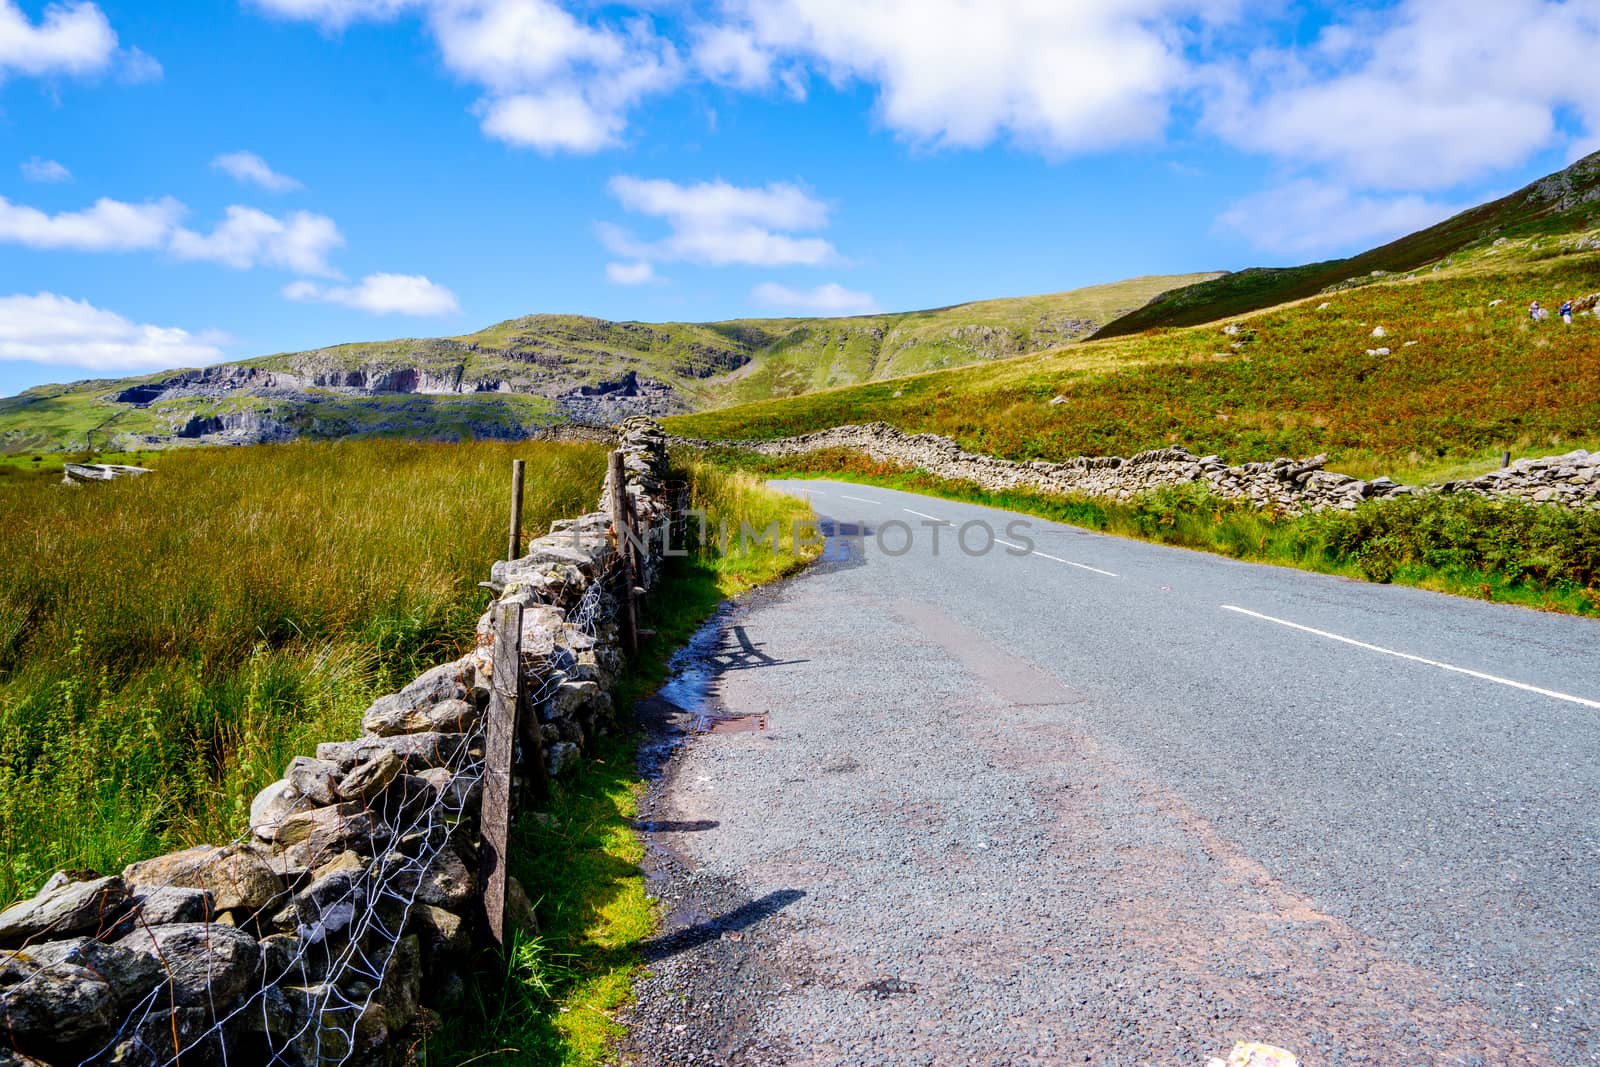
(167, 643)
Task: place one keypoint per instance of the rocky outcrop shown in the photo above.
(349, 910)
(1288, 485)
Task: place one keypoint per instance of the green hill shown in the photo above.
(1459, 374)
(1563, 203)
(524, 374)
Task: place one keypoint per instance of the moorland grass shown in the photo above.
(1462, 380)
(167, 643)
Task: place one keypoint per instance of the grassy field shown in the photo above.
(167, 643)
(1462, 381)
(555, 998)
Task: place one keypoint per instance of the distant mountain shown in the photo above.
(516, 377)
(1562, 203)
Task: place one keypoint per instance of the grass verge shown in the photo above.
(555, 998)
(1537, 556)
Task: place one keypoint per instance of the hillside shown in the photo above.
(1562, 203)
(1458, 374)
(516, 377)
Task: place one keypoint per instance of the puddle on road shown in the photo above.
(691, 673)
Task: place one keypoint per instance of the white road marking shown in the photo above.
(925, 515)
(860, 499)
(1080, 566)
(1058, 559)
(1568, 697)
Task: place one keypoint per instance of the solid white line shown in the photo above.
(1420, 659)
(860, 499)
(925, 515)
(1058, 559)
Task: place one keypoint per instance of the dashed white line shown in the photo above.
(925, 515)
(1057, 559)
(860, 499)
(1080, 566)
(1553, 694)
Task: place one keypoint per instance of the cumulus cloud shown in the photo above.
(46, 171)
(1312, 217)
(552, 81)
(731, 56)
(829, 299)
(46, 328)
(1425, 97)
(957, 73)
(719, 224)
(636, 273)
(381, 294)
(251, 169)
(248, 237)
(73, 38)
(106, 226)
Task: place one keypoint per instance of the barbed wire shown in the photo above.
(347, 935)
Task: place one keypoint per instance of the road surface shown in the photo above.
(1076, 798)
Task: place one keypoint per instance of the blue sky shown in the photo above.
(184, 183)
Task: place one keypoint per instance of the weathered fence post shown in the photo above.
(1505, 459)
(620, 528)
(515, 550)
(505, 701)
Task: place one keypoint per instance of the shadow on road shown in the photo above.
(734, 921)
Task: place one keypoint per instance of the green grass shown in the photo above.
(1299, 382)
(554, 999)
(1543, 557)
(167, 643)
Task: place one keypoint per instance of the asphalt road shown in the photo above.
(1104, 801)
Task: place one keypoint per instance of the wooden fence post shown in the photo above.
(515, 550)
(505, 701)
(620, 530)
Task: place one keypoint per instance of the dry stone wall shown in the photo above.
(349, 910)
(1289, 485)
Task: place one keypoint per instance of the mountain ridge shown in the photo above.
(518, 376)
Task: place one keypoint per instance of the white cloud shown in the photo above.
(1433, 95)
(1308, 217)
(829, 299)
(962, 73)
(718, 224)
(729, 55)
(381, 294)
(552, 80)
(47, 328)
(247, 237)
(107, 226)
(46, 171)
(251, 169)
(560, 119)
(637, 273)
(71, 38)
